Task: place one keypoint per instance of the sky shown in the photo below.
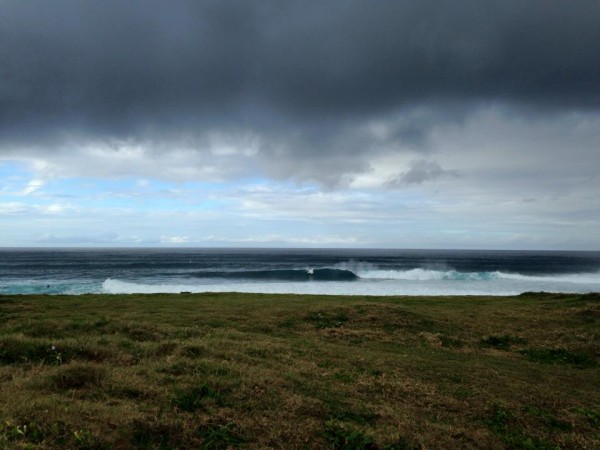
(274, 123)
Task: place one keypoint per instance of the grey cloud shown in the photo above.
(303, 77)
(419, 172)
(373, 55)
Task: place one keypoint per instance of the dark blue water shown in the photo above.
(325, 271)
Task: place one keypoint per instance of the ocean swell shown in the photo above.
(323, 274)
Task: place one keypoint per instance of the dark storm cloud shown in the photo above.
(119, 65)
(302, 75)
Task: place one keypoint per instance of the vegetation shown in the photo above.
(219, 371)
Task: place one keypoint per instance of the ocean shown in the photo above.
(301, 271)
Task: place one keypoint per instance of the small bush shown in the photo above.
(503, 342)
(579, 359)
(534, 294)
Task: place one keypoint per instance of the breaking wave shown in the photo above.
(431, 275)
(368, 281)
(358, 271)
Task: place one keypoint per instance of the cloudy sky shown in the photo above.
(337, 123)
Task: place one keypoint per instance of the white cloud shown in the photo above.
(10, 208)
(32, 186)
(281, 239)
(174, 240)
(55, 208)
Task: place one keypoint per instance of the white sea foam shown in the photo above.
(113, 286)
(384, 288)
(413, 274)
(376, 282)
(433, 275)
(579, 278)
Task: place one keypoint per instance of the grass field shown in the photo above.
(280, 371)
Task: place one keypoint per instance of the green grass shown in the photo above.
(219, 371)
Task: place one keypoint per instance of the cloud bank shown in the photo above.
(296, 85)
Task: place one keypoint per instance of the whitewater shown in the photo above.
(295, 271)
(385, 282)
